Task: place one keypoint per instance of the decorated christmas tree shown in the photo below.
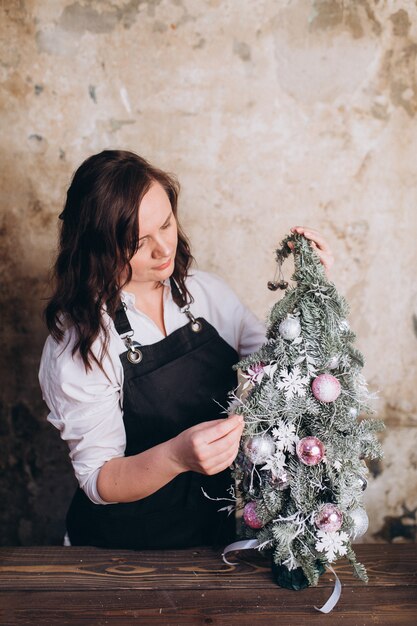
(301, 469)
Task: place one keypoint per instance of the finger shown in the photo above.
(221, 457)
(306, 230)
(313, 235)
(222, 461)
(225, 445)
(228, 454)
(229, 420)
(318, 244)
(303, 229)
(219, 431)
(325, 257)
(229, 439)
(327, 264)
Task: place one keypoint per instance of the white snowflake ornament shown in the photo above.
(292, 382)
(285, 437)
(332, 543)
(275, 463)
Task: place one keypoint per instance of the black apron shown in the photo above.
(169, 386)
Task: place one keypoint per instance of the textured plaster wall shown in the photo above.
(273, 114)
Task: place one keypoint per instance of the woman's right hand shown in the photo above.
(209, 447)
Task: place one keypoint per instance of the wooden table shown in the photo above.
(92, 586)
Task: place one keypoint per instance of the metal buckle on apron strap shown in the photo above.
(134, 355)
(196, 326)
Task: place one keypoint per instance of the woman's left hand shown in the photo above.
(318, 243)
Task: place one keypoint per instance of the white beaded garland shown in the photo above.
(290, 328)
(259, 448)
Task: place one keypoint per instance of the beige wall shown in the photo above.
(272, 114)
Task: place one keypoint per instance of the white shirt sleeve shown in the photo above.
(85, 408)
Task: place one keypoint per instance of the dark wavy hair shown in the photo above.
(98, 237)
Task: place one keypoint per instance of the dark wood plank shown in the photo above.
(75, 568)
(58, 586)
(359, 607)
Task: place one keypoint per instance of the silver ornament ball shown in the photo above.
(290, 328)
(363, 483)
(259, 448)
(360, 521)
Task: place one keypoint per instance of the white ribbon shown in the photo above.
(248, 544)
(334, 598)
(239, 545)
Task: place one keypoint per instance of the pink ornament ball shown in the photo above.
(329, 518)
(310, 450)
(326, 388)
(250, 516)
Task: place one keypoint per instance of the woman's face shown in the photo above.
(158, 238)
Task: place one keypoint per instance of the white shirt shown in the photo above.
(87, 407)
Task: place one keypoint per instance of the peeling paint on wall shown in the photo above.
(272, 115)
(400, 528)
(401, 23)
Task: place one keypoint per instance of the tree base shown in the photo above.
(292, 579)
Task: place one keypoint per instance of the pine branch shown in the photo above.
(278, 395)
(359, 570)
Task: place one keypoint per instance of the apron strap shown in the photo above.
(121, 321)
(124, 329)
(177, 294)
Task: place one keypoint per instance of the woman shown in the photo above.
(138, 363)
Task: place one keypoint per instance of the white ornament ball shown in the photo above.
(326, 388)
(333, 363)
(353, 412)
(259, 448)
(290, 328)
(360, 523)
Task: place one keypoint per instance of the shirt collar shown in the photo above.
(129, 298)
